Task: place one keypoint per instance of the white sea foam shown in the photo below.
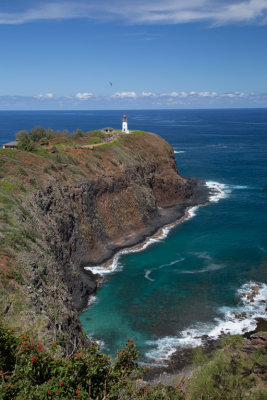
(147, 273)
(211, 265)
(236, 320)
(209, 268)
(179, 151)
(219, 191)
(100, 343)
(191, 213)
(171, 263)
(239, 187)
(92, 300)
(115, 265)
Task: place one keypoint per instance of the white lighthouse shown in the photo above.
(125, 124)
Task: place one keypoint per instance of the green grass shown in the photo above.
(22, 171)
(139, 133)
(7, 186)
(228, 373)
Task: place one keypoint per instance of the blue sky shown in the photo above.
(156, 53)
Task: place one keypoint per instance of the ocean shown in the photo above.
(190, 279)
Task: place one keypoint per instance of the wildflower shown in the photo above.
(33, 359)
(61, 383)
(40, 347)
(78, 392)
(78, 355)
(48, 392)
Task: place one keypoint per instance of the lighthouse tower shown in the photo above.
(125, 124)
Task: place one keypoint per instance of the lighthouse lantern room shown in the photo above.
(125, 124)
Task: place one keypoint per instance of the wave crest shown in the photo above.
(236, 320)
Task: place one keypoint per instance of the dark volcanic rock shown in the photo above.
(80, 218)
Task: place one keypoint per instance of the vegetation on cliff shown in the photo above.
(72, 202)
(237, 371)
(39, 136)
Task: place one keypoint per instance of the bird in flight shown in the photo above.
(110, 83)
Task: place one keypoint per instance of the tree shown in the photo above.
(24, 141)
(77, 134)
(37, 133)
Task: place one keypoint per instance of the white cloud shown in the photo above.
(123, 95)
(45, 96)
(49, 11)
(148, 94)
(178, 94)
(217, 12)
(206, 94)
(236, 94)
(175, 99)
(84, 96)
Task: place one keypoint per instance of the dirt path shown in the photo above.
(91, 146)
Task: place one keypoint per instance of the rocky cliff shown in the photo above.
(64, 208)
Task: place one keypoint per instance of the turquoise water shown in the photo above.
(188, 282)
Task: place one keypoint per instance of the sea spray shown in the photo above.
(240, 319)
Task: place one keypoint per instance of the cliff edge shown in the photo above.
(64, 207)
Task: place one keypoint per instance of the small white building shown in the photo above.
(125, 124)
(10, 145)
(108, 129)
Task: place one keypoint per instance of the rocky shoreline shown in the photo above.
(168, 218)
(180, 362)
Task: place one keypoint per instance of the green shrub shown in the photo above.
(22, 171)
(53, 168)
(28, 371)
(24, 141)
(98, 155)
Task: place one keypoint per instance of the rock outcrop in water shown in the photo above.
(65, 208)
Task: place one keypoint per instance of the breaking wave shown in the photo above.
(240, 319)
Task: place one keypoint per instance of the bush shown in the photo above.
(37, 133)
(30, 372)
(24, 141)
(228, 374)
(78, 134)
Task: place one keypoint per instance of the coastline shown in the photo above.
(180, 356)
(168, 218)
(181, 362)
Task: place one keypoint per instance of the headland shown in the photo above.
(72, 202)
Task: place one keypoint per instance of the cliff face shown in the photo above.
(73, 208)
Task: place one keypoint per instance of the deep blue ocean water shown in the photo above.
(188, 282)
